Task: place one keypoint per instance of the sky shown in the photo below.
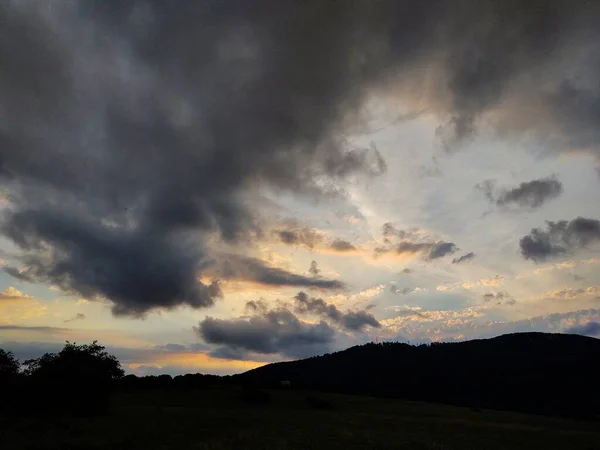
(212, 186)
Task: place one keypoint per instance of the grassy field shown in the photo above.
(218, 419)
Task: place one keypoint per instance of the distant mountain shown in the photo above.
(533, 372)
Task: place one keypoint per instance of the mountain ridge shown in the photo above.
(548, 373)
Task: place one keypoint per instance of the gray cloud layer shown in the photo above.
(560, 238)
(412, 243)
(588, 329)
(350, 320)
(268, 332)
(131, 129)
(252, 269)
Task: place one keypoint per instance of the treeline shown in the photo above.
(187, 381)
(79, 380)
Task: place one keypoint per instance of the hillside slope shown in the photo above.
(534, 372)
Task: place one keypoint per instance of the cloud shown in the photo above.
(529, 194)
(11, 293)
(472, 323)
(494, 281)
(560, 238)
(532, 194)
(464, 258)
(18, 274)
(304, 236)
(239, 267)
(404, 291)
(588, 329)
(427, 250)
(314, 240)
(350, 320)
(340, 245)
(135, 271)
(359, 297)
(78, 316)
(136, 156)
(389, 230)
(270, 332)
(487, 187)
(571, 293)
(39, 329)
(121, 128)
(314, 269)
(412, 242)
(16, 306)
(500, 298)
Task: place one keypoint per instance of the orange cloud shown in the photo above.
(16, 306)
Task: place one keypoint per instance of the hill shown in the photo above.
(531, 372)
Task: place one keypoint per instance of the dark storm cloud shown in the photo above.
(560, 238)
(136, 271)
(464, 258)
(252, 269)
(275, 331)
(342, 246)
(18, 274)
(144, 123)
(588, 329)
(350, 320)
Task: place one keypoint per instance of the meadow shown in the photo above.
(221, 418)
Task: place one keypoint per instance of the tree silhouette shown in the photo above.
(77, 380)
(9, 365)
(74, 362)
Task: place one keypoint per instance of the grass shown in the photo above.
(216, 418)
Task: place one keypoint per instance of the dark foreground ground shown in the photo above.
(219, 419)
